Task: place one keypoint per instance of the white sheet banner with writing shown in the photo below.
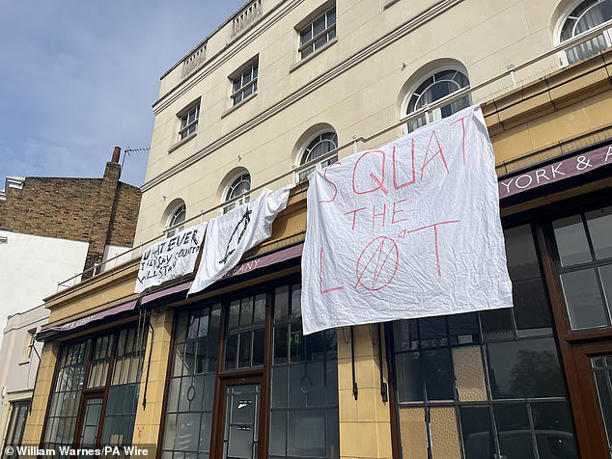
(171, 258)
(230, 235)
(411, 229)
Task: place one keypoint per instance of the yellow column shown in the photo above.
(34, 424)
(365, 427)
(148, 420)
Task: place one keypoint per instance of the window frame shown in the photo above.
(244, 375)
(84, 392)
(302, 174)
(309, 23)
(565, 14)
(251, 68)
(434, 115)
(232, 185)
(188, 128)
(170, 228)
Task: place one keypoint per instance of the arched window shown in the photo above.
(437, 85)
(583, 17)
(239, 185)
(176, 217)
(321, 144)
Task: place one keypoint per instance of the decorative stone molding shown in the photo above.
(11, 182)
(246, 17)
(194, 60)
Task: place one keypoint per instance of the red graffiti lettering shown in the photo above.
(394, 162)
(321, 290)
(435, 230)
(378, 181)
(332, 184)
(438, 153)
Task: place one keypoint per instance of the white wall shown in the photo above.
(31, 267)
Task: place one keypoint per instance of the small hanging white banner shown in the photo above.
(409, 230)
(230, 235)
(171, 258)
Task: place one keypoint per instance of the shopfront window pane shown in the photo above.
(409, 377)
(477, 433)
(531, 308)
(513, 431)
(600, 228)
(554, 430)
(304, 393)
(497, 324)
(571, 240)
(527, 368)
(188, 420)
(521, 253)
(437, 368)
(583, 299)
(602, 374)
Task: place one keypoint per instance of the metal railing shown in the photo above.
(510, 73)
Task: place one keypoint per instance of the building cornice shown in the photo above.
(348, 63)
(240, 42)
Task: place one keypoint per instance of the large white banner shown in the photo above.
(230, 235)
(411, 229)
(171, 258)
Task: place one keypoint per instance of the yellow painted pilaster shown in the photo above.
(148, 420)
(365, 426)
(34, 424)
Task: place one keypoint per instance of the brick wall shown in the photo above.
(99, 211)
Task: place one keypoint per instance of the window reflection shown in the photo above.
(486, 384)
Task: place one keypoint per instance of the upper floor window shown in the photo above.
(321, 144)
(244, 84)
(585, 16)
(189, 120)
(237, 187)
(177, 216)
(436, 86)
(317, 33)
(30, 341)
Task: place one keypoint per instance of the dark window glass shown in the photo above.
(527, 368)
(477, 432)
(245, 333)
(554, 430)
(61, 420)
(438, 372)
(304, 394)
(409, 377)
(571, 240)
(17, 422)
(513, 431)
(600, 228)
(583, 299)
(191, 390)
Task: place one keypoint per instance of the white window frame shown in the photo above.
(567, 12)
(251, 71)
(436, 113)
(171, 221)
(328, 32)
(231, 187)
(301, 175)
(186, 127)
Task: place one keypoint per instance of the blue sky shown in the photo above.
(78, 77)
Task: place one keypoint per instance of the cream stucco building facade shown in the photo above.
(283, 86)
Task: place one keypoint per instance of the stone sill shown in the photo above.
(238, 105)
(182, 142)
(308, 58)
